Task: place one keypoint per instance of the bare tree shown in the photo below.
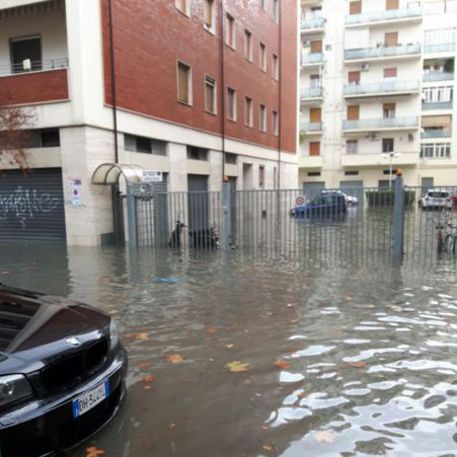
(15, 124)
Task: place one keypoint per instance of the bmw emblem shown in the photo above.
(73, 341)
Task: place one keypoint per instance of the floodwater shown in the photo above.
(343, 360)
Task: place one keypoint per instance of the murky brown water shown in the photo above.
(368, 360)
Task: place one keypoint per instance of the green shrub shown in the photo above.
(386, 197)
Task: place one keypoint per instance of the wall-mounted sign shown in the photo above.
(152, 176)
(75, 187)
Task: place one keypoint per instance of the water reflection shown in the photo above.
(369, 363)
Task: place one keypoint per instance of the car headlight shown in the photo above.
(14, 388)
(114, 334)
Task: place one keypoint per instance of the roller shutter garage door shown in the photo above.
(32, 206)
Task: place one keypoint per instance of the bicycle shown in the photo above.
(447, 238)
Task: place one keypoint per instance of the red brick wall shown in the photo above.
(37, 87)
(152, 35)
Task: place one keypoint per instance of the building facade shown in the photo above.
(200, 90)
(377, 86)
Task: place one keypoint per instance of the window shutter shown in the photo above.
(316, 46)
(183, 83)
(392, 4)
(315, 148)
(353, 112)
(390, 72)
(354, 77)
(391, 39)
(315, 115)
(355, 7)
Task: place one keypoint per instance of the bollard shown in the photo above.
(227, 215)
(399, 221)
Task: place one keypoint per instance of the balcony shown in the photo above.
(312, 25)
(380, 17)
(438, 76)
(438, 48)
(312, 59)
(311, 128)
(47, 81)
(426, 106)
(310, 93)
(367, 125)
(311, 162)
(383, 52)
(436, 134)
(373, 160)
(383, 88)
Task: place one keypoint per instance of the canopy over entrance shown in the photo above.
(109, 173)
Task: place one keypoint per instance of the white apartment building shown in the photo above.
(377, 87)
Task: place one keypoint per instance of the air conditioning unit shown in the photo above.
(372, 137)
(410, 137)
(306, 44)
(365, 67)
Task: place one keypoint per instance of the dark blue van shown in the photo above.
(324, 205)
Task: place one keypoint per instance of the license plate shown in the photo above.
(90, 399)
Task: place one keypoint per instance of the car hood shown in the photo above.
(35, 327)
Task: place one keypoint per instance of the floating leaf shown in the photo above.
(144, 365)
(229, 346)
(143, 336)
(113, 312)
(94, 452)
(149, 378)
(324, 436)
(174, 358)
(282, 364)
(237, 366)
(267, 448)
(360, 364)
(211, 330)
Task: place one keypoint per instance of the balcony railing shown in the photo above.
(438, 76)
(382, 51)
(311, 92)
(437, 105)
(313, 23)
(435, 133)
(440, 47)
(379, 88)
(385, 15)
(312, 58)
(29, 66)
(390, 123)
(311, 126)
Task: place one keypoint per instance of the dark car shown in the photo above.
(62, 370)
(324, 205)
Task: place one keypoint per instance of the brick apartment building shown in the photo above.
(197, 89)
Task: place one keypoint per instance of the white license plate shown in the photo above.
(90, 399)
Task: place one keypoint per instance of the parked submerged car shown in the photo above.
(436, 199)
(324, 205)
(62, 370)
(350, 200)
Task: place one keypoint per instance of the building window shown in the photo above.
(50, 138)
(352, 147)
(276, 10)
(353, 113)
(354, 77)
(145, 145)
(315, 81)
(436, 151)
(26, 54)
(209, 15)
(230, 31)
(232, 109)
(351, 173)
(275, 66)
(314, 174)
(390, 73)
(275, 123)
(263, 118)
(263, 57)
(261, 176)
(248, 45)
(387, 145)
(388, 110)
(355, 7)
(231, 159)
(248, 112)
(184, 83)
(210, 95)
(391, 39)
(183, 6)
(196, 153)
(392, 4)
(314, 148)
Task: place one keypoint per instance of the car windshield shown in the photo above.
(438, 194)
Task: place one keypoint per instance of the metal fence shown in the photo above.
(409, 223)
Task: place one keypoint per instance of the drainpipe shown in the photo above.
(222, 67)
(280, 99)
(113, 80)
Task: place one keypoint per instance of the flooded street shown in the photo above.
(341, 360)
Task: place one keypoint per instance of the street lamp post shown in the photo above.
(390, 156)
